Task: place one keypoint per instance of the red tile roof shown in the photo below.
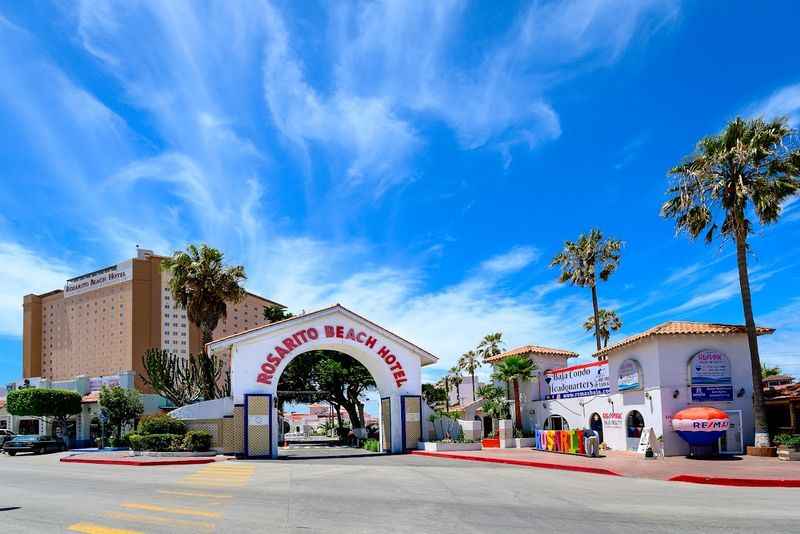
(533, 349)
(94, 396)
(676, 328)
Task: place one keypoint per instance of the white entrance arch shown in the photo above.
(260, 356)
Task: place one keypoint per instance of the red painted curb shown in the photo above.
(524, 463)
(138, 463)
(742, 482)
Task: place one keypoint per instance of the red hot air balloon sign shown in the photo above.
(700, 425)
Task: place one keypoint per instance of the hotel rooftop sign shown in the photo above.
(115, 274)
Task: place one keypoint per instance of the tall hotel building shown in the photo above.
(102, 322)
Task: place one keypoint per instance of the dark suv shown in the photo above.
(34, 444)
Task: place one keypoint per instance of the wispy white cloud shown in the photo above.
(24, 271)
(785, 102)
(782, 348)
(514, 260)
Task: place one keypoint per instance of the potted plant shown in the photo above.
(788, 446)
(523, 438)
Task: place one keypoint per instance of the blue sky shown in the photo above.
(419, 162)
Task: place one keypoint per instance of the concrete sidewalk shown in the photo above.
(733, 470)
(124, 458)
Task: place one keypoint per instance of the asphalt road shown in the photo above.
(369, 494)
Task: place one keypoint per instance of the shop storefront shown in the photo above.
(638, 384)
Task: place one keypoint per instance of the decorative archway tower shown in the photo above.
(259, 357)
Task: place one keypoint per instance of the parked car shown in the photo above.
(34, 444)
(5, 435)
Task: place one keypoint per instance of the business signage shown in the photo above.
(710, 377)
(629, 376)
(612, 419)
(577, 381)
(116, 274)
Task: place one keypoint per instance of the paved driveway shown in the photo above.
(372, 494)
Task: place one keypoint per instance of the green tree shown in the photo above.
(767, 372)
(50, 404)
(121, 405)
(470, 362)
(456, 380)
(749, 169)
(609, 322)
(202, 285)
(273, 314)
(584, 260)
(495, 404)
(515, 369)
(444, 384)
(434, 395)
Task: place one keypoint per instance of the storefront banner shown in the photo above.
(710, 368)
(700, 425)
(712, 393)
(629, 376)
(577, 381)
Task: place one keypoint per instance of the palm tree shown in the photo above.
(609, 322)
(445, 384)
(751, 167)
(580, 261)
(490, 345)
(469, 362)
(515, 369)
(456, 380)
(203, 285)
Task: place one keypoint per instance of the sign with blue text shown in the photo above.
(710, 377)
(629, 376)
(577, 381)
(712, 393)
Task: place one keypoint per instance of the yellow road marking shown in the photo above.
(165, 509)
(92, 528)
(158, 520)
(195, 494)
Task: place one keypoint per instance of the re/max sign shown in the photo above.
(301, 337)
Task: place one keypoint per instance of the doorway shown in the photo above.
(731, 441)
(596, 424)
(634, 425)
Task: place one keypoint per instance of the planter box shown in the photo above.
(522, 443)
(435, 446)
(507, 443)
(172, 454)
(491, 443)
(762, 451)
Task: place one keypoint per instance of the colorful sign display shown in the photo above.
(629, 376)
(96, 383)
(710, 377)
(577, 381)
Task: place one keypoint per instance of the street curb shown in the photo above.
(138, 463)
(523, 463)
(740, 482)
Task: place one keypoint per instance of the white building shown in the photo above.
(642, 381)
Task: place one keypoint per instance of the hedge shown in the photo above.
(43, 402)
(195, 441)
(160, 424)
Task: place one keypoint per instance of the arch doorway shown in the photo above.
(260, 356)
(596, 424)
(556, 422)
(634, 425)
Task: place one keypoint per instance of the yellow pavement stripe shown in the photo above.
(159, 520)
(202, 484)
(164, 509)
(92, 528)
(195, 494)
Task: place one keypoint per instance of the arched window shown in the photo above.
(556, 422)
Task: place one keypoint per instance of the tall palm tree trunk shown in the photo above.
(759, 413)
(446, 396)
(596, 317)
(517, 408)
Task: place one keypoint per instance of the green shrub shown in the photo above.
(157, 442)
(197, 441)
(788, 440)
(160, 424)
(372, 445)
